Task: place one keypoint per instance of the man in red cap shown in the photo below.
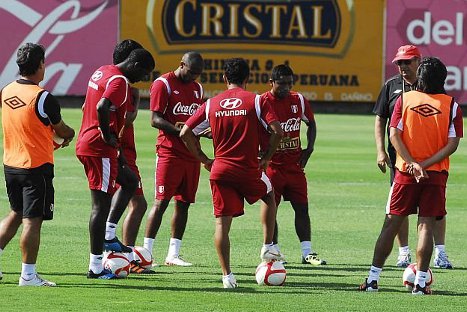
(407, 60)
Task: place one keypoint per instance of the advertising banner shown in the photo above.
(333, 46)
(438, 28)
(79, 36)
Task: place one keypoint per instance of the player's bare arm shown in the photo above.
(443, 153)
(193, 145)
(64, 131)
(311, 138)
(131, 116)
(158, 122)
(274, 139)
(382, 158)
(103, 115)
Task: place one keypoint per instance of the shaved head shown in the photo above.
(193, 59)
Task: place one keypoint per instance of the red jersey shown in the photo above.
(106, 82)
(290, 110)
(176, 101)
(236, 117)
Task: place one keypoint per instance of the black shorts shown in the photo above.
(31, 191)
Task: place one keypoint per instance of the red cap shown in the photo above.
(407, 52)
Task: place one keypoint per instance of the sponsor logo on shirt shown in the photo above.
(293, 124)
(289, 143)
(189, 110)
(232, 103)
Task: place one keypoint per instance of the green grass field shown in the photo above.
(347, 199)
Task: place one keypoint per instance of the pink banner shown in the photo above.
(437, 28)
(79, 36)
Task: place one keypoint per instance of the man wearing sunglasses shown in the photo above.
(407, 60)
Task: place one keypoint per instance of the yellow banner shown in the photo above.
(334, 46)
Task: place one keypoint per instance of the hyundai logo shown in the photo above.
(230, 103)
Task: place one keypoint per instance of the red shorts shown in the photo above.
(429, 199)
(133, 167)
(101, 173)
(176, 178)
(228, 196)
(289, 182)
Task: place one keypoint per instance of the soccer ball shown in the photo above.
(408, 278)
(143, 257)
(58, 141)
(117, 263)
(271, 273)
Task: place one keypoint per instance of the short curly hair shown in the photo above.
(29, 57)
(236, 70)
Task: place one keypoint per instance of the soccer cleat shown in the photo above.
(116, 245)
(403, 260)
(135, 268)
(229, 281)
(177, 261)
(442, 262)
(417, 290)
(105, 275)
(36, 281)
(371, 287)
(313, 259)
(270, 253)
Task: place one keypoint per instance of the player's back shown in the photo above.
(234, 120)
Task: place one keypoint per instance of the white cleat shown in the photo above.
(403, 260)
(229, 281)
(36, 281)
(270, 253)
(442, 262)
(177, 261)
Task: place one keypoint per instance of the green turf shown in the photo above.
(347, 198)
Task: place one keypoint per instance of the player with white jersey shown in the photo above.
(97, 146)
(174, 97)
(235, 117)
(286, 169)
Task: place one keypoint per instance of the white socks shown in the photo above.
(374, 273)
(306, 248)
(404, 250)
(110, 229)
(149, 243)
(28, 271)
(420, 278)
(174, 248)
(95, 263)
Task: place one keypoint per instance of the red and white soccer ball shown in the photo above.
(408, 278)
(58, 141)
(271, 273)
(117, 263)
(143, 257)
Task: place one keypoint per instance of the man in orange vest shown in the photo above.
(30, 117)
(426, 127)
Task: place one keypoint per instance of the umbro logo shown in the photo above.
(14, 102)
(426, 110)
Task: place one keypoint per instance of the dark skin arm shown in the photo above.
(158, 122)
(193, 145)
(103, 115)
(276, 136)
(311, 138)
(64, 131)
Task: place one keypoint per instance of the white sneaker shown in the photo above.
(442, 262)
(36, 281)
(403, 260)
(270, 253)
(177, 261)
(229, 281)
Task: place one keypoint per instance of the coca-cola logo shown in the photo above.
(65, 28)
(180, 109)
(232, 103)
(293, 124)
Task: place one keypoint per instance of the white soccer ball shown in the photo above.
(271, 273)
(143, 257)
(117, 263)
(408, 278)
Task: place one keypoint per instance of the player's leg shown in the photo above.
(8, 228)
(136, 209)
(178, 225)
(404, 258)
(424, 252)
(441, 259)
(268, 220)
(222, 242)
(128, 182)
(154, 221)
